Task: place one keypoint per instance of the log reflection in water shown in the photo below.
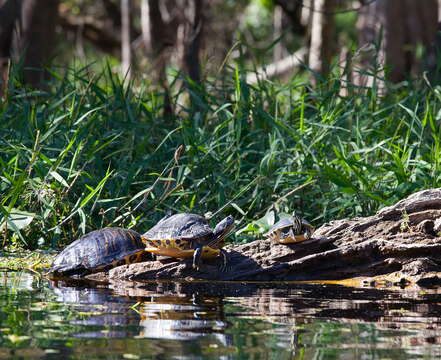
(173, 315)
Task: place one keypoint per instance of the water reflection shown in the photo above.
(182, 318)
(214, 320)
(108, 314)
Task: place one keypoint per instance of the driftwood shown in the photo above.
(279, 68)
(400, 244)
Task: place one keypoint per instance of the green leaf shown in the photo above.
(59, 178)
(16, 220)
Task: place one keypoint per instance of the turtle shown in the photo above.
(188, 235)
(290, 229)
(100, 250)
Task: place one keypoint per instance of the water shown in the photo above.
(40, 319)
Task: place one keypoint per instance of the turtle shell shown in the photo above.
(290, 229)
(180, 226)
(179, 235)
(283, 223)
(100, 250)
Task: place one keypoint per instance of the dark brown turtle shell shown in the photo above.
(100, 250)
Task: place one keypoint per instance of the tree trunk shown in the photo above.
(27, 34)
(278, 50)
(145, 25)
(322, 33)
(113, 12)
(9, 13)
(398, 28)
(158, 36)
(126, 51)
(293, 11)
(36, 38)
(191, 34)
(162, 32)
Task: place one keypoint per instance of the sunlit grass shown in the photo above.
(94, 152)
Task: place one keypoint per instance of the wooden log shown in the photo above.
(400, 243)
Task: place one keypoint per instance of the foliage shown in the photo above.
(94, 152)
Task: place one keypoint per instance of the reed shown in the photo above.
(94, 152)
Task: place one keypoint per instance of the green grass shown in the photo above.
(94, 152)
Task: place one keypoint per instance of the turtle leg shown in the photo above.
(80, 272)
(196, 300)
(307, 234)
(197, 257)
(275, 236)
(272, 237)
(291, 234)
(224, 267)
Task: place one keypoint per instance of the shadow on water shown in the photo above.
(44, 319)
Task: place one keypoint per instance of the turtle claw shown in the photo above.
(197, 255)
(291, 234)
(307, 234)
(224, 266)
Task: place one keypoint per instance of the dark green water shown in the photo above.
(44, 320)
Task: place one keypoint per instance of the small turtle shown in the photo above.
(100, 250)
(188, 235)
(290, 229)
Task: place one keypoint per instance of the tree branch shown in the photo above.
(278, 68)
(93, 31)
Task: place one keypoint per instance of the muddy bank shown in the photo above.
(400, 244)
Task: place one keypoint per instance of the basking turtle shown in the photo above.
(100, 250)
(188, 235)
(290, 229)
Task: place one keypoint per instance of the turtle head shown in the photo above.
(225, 227)
(296, 224)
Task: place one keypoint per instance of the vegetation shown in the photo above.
(94, 151)
(29, 260)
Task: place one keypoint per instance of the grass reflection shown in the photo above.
(40, 319)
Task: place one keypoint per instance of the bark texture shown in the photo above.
(27, 35)
(37, 38)
(190, 39)
(322, 33)
(9, 13)
(404, 27)
(400, 244)
(293, 11)
(126, 51)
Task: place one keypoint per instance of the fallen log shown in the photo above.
(399, 244)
